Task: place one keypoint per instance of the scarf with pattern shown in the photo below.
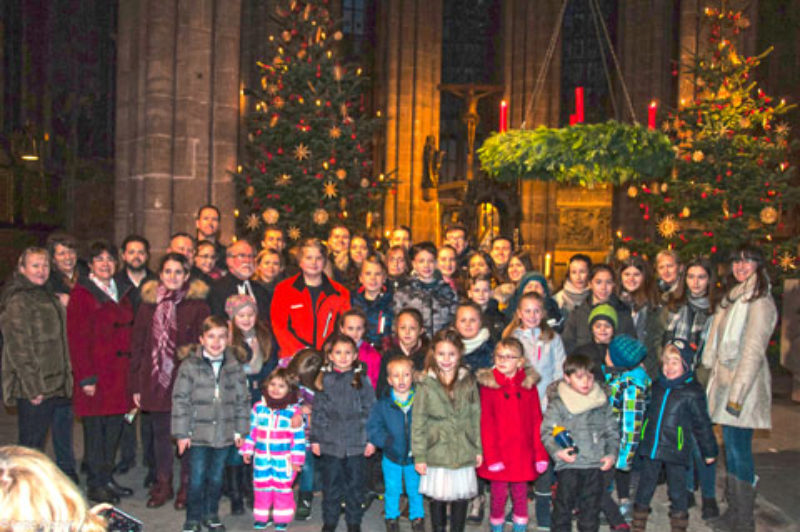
(165, 332)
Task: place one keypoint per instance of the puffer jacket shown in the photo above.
(629, 393)
(577, 331)
(380, 316)
(436, 301)
(545, 356)
(589, 419)
(740, 379)
(341, 412)
(677, 410)
(208, 410)
(446, 432)
(35, 347)
(389, 428)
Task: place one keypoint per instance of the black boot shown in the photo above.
(458, 515)
(710, 508)
(247, 486)
(438, 511)
(303, 512)
(236, 495)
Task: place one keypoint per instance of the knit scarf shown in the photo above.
(279, 404)
(727, 343)
(689, 322)
(165, 332)
(571, 297)
(404, 405)
(471, 344)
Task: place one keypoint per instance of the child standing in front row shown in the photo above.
(338, 433)
(678, 406)
(510, 422)
(578, 405)
(445, 432)
(279, 450)
(389, 427)
(209, 414)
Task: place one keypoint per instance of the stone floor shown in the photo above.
(777, 463)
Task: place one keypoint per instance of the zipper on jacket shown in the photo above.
(680, 438)
(658, 426)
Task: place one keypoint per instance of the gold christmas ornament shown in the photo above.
(668, 226)
(698, 156)
(769, 215)
(271, 215)
(664, 188)
(294, 232)
(655, 187)
(287, 35)
(283, 180)
(787, 261)
(329, 190)
(334, 132)
(252, 222)
(320, 216)
(250, 191)
(633, 191)
(686, 212)
(301, 152)
(623, 254)
(301, 54)
(271, 88)
(278, 102)
(341, 174)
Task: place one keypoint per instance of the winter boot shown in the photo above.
(161, 492)
(475, 511)
(353, 528)
(303, 512)
(236, 494)
(542, 511)
(679, 521)
(418, 525)
(710, 508)
(458, 515)
(392, 525)
(640, 515)
(438, 511)
(746, 502)
(727, 521)
(519, 527)
(496, 528)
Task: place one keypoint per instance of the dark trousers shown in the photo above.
(676, 484)
(163, 449)
(343, 480)
(127, 444)
(146, 434)
(607, 503)
(581, 489)
(205, 482)
(34, 421)
(100, 439)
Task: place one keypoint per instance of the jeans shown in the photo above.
(519, 500)
(307, 480)
(393, 477)
(706, 473)
(582, 489)
(101, 436)
(343, 479)
(205, 482)
(33, 421)
(676, 484)
(739, 453)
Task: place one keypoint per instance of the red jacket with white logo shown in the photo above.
(295, 324)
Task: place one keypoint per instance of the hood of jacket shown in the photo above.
(197, 290)
(487, 377)
(189, 350)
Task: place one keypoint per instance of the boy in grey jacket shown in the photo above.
(210, 412)
(581, 434)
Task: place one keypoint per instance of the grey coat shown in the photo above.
(340, 414)
(197, 412)
(590, 420)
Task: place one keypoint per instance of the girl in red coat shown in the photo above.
(510, 419)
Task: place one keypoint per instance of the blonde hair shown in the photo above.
(36, 495)
(547, 332)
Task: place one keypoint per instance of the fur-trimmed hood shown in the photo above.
(487, 378)
(197, 290)
(464, 374)
(184, 352)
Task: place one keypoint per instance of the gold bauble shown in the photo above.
(633, 191)
(769, 215)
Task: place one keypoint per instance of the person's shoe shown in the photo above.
(519, 527)
(149, 479)
(192, 527)
(679, 522)
(180, 498)
(710, 509)
(329, 528)
(418, 525)
(475, 511)
(620, 528)
(102, 494)
(626, 509)
(214, 524)
(392, 525)
(303, 512)
(369, 498)
(281, 527)
(160, 493)
(122, 491)
(640, 515)
(353, 528)
(236, 493)
(496, 528)
(260, 525)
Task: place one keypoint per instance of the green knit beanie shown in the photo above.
(603, 311)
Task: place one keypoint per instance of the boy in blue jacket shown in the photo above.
(389, 427)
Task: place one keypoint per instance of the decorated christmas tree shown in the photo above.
(309, 159)
(732, 182)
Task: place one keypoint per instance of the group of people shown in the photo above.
(444, 373)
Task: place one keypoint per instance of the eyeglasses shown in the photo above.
(506, 358)
(212, 257)
(241, 256)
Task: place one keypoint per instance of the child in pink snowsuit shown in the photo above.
(279, 451)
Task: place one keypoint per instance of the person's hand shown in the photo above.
(422, 469)
(36, 401)
(565, 456)
(607, 462)
(478, 460)
(541, 466)
(89, 389)
(297, 468)
(247, 458)
(370, 450)
(306, 409)
(315, 449)
(97, 509)
(137, 400)
(710, 461)
(183, 444)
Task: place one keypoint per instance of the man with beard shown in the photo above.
(207, 224)
(240, 259)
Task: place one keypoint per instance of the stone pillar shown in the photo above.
(177, 115)
(408, 72)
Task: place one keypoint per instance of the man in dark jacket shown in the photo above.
(37, 374)
(240, 258)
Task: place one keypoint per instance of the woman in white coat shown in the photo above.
(739, 387)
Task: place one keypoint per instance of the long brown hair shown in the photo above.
(547, 333)
(452, 337)
(752, 253)
(645, 295)
(263, 335)
(680, 296)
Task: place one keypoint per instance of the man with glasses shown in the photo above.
(240, 259)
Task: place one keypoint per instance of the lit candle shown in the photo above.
(572, 119)
(548, 264)
(651, 115)
(503, 116)
(579, 104)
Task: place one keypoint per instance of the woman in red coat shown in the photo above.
(513, 453)
(98, 331)
(306, 307)
(171, 315)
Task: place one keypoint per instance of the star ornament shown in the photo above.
(301, 152)
(668, 227)
(329, 190)
(252, 222)
(334, 132)
(283, 180)
(294, 232)
(787, 261)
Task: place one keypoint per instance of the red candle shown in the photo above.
(579, 104)
(651, 115)
(572, 119)
(503, 116)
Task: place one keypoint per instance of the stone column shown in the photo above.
(408, 70)
(177, 115)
